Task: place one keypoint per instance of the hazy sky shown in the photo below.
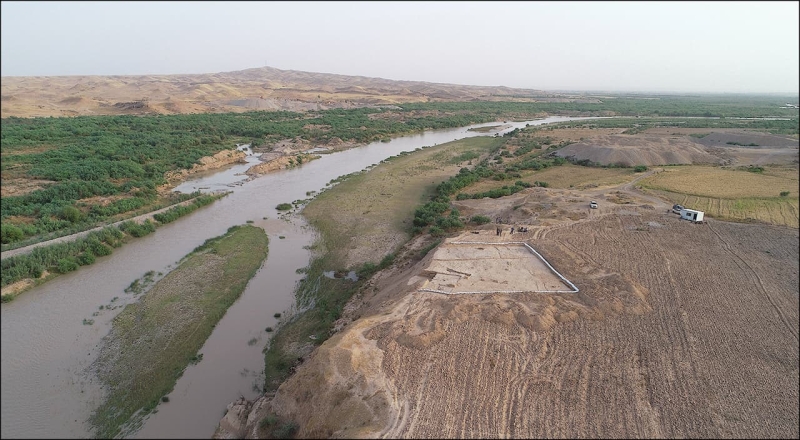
(614, 46)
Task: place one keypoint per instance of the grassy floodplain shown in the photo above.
(362, 221)
(153, 340)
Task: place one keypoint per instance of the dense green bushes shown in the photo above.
(179, 211)
(137, 230)
(66, 257)
(61, 257)
(480, 219)
(127, 156)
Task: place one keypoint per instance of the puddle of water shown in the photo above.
(352, 276)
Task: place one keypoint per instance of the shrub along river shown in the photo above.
(51, 334)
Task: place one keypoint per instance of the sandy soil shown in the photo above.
(657, 344)
(263, 88)
(219, 160)
(679, 330)
(482, 263)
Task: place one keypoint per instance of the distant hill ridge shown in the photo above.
(263, 88)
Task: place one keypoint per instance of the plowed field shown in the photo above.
(679, 330)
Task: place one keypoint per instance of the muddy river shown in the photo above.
(51, 334)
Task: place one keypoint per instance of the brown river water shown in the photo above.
(46, 347)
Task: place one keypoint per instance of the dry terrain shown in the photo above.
(639, 150)
(262, 88)
(679, 330)
(673, 146)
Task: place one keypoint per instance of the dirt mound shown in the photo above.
(716, 139)
(639, 150)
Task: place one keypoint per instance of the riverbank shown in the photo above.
(51, 355)
(153, 340)
(362, 222)
(45, 261)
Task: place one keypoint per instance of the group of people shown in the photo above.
(519, 229)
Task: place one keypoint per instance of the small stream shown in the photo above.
(47, 346)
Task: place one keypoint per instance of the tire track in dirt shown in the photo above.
(693, 351)
(753, 275)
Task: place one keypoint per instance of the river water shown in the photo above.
(47, 345)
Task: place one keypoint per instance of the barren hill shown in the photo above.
(263, 88)
(639, 150)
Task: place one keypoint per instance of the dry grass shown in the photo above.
(722, 183)
(563, 177)
(369, 215)
(731, 194)
(776, 211)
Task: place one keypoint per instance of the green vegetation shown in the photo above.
(136, 374)
(177, 212)
(272, 426)
(640, 168)
(59, 258)
(787, 126)
(25, 234)
(66, 257)
(718, 106)
(424, 251)
(784, 193)
(125, 158)
(284, 207)
(106, 166)
(396, 195)
(480, 219)
(328, 296)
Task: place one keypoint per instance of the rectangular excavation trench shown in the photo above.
(463, 267)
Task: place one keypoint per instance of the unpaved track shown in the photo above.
(139, 219)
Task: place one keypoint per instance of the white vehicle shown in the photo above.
(692, 215)
(593, 204)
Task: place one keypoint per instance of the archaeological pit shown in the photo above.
(477, 267)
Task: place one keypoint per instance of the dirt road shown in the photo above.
(139, 219)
